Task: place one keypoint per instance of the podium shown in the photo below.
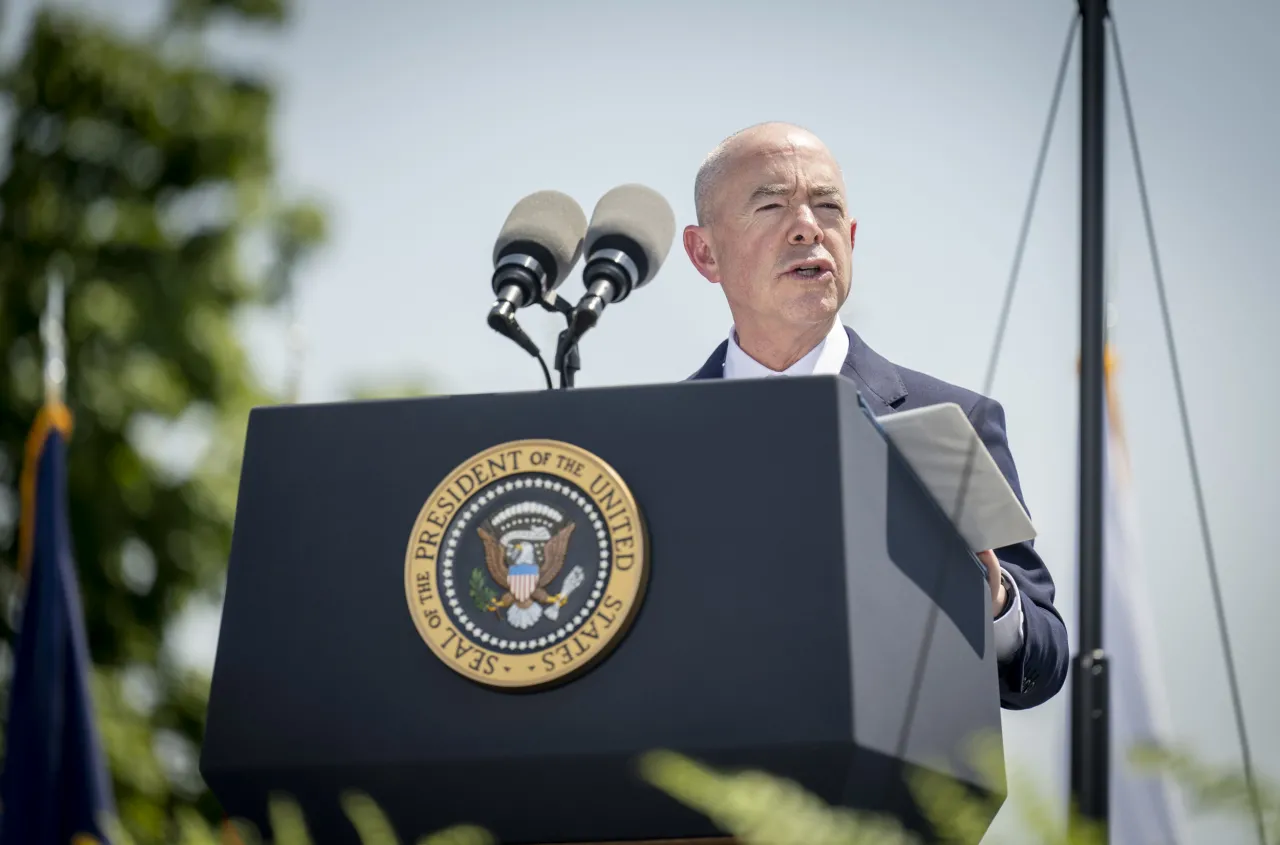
(482, 609)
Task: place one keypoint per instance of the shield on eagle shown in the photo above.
(523, 580)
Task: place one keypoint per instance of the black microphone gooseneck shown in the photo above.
(519, 278)
(609, 276)
(567, 361)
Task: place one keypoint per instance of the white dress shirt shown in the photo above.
(827, 358)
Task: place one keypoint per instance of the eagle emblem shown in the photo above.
(523, 561)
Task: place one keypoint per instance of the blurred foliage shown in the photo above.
(1214, 789)
(140, 173)
(757, 808)
(202, 12)
(288, 827)
(405, 388)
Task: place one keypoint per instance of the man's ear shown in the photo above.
(697, 245)
(853, 231)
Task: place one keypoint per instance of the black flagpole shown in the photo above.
(1090, 745)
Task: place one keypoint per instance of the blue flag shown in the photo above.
(54, 786)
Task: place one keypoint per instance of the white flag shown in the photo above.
(1145, 810)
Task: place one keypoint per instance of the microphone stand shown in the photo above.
(567, 361)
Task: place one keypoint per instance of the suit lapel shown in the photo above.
(714, 366)
(877, 379)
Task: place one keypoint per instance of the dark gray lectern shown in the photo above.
(809, 611)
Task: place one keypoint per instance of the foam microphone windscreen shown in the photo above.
(550, 220)
(637, 214)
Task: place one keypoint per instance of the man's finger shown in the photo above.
(992, 565)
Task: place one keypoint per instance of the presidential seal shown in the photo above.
(526, 564)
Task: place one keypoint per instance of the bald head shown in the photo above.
(754, 140)
(775, 232)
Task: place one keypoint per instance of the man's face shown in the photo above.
(780, 240)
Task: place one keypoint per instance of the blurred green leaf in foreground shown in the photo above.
(288, 827)
(757, 808)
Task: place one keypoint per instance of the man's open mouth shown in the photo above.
(810, 269)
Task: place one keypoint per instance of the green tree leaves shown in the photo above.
(142, 175)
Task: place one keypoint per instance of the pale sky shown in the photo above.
(421, 124)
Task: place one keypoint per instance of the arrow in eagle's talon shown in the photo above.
(571, 583)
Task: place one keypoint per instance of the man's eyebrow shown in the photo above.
(779, 190)
(766, 191)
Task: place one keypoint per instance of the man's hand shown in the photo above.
(999, 595)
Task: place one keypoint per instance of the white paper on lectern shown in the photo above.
(938, 441)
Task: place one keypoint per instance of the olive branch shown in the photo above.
(480, 592)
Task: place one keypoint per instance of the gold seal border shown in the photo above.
(610, 619)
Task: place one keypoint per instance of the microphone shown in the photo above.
(538, 245)
(631, 232)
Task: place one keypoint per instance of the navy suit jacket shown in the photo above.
(1037, 672)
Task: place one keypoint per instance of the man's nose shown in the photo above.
(805, 229)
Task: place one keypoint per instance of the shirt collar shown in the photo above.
(825, 359)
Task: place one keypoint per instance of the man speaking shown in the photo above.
(774, 231)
